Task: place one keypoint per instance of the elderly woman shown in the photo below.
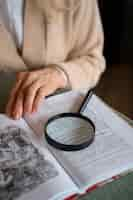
(51, 45)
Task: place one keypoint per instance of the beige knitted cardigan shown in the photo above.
(74, 41)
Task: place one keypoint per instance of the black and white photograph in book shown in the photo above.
(22, 167)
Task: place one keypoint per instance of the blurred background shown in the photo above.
(116, 86)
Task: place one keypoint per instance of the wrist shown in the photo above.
(60, 76)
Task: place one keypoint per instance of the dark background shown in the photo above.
(117, 17)
(116, 85)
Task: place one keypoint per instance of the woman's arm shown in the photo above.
(86, 62)
(82, 69)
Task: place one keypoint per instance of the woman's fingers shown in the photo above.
(12, 98)
(21, 96)
(29, 86)
(14, 92)
(30, 78)
(38, 99)
(18, 106)
(30, 89)
(9, 106)
(30, 95)
(25, 99)
(41, 93)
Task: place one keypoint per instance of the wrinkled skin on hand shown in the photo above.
(31, 88)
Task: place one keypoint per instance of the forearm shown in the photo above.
(85, 62)
(84, 72)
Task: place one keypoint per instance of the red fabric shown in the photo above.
(92, 188)
(71, 198)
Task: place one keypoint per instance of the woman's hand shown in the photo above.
(30, 88)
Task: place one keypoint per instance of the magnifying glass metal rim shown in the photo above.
(66, 147)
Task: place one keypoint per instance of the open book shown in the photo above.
(30, 169)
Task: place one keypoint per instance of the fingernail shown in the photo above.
(26, 110)
(34, 110)
(16, 116)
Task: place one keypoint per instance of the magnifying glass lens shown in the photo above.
(70, 131)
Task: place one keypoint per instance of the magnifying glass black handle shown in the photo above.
(85, 101)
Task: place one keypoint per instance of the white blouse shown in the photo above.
(11, 15)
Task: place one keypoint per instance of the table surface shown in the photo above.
(119, 189)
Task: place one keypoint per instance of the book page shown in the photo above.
(109, 155)
(66, 102)
(28, 171)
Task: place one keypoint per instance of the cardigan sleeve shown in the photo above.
(86, 63)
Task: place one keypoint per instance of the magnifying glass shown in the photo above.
(70, 131)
